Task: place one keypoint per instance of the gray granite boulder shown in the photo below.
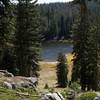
(52, 96)
(5, 73)
(7, 85)
(18, 82)
(97, 98)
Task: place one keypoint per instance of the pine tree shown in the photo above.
(27, 44)
(68, 28)
(76, 51)
(92, 67)
(62, 70)
(62, 28)
(6, 28)
(97, 42)
(85, 51)
(51, 24)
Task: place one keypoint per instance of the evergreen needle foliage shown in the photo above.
(27, 44)
(6, 30)
(62, 71)
(85, 51)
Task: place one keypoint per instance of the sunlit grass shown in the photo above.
(8, 94)
(48, 72)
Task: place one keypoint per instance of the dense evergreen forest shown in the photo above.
(57, 18)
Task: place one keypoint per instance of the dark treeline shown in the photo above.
(58, 18)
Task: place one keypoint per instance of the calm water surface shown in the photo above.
(50, 51)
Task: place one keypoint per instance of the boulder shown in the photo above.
(71, 95)
(96, 98)
(26, 81)
(32, 80)
(7, 85)
(2, 74)
(5, 73)
(52, 96)
(12, 82)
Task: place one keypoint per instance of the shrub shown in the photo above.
(65, 93)
(51, 90)
(76, 87)
(87, 96)
(68, 94)
(46, 86)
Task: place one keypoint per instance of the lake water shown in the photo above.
(51, 50)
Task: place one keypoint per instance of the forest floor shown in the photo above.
(48, 74)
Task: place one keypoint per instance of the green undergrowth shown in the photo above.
(8, 94)
(87, 96)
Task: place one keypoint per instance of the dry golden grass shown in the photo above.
(48, 73)
(70, 64)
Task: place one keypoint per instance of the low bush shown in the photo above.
(64, 93)
(87, 96)
(76, 87)
(46, 86)
(68, 94)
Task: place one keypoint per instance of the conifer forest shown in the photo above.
(49, 51)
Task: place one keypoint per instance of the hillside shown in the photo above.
(58, 18)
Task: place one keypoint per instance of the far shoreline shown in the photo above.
(69, 41)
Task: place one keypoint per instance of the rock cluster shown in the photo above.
(10, 81)
(4, 73)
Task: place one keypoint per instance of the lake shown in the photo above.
(50, 50)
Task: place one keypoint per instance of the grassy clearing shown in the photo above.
(7, 94)
(48, 73)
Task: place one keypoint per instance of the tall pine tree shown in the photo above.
(62, 32)
(6, 29)
(27, 44)
(85, 51)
